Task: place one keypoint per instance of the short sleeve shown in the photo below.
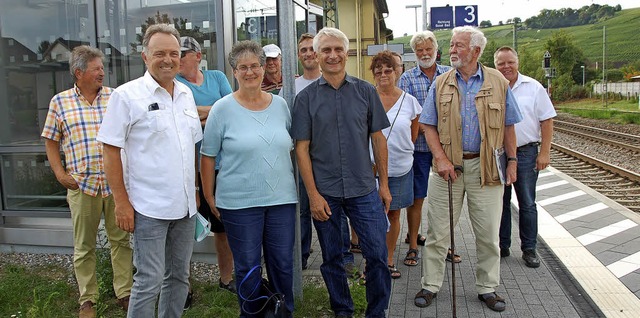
(429, 114)
(116, 122)
(544, 107)
(51, 129)
(212, 137)
(513, 114)
(223, 83)
(301, 119)
(378, 119)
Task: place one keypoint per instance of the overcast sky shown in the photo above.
(402, 20)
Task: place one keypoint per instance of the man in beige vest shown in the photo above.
(469, 113)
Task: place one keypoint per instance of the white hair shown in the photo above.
(477, 37)
(422, 37)
(330, 32)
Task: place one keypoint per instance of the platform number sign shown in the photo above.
(466, 15)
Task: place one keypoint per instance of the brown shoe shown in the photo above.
(123, 303)
(87, 310)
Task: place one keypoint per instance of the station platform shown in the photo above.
(590, 251)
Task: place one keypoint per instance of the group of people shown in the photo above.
(153, 152)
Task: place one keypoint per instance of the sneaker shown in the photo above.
(505, 252)
(231, 286)
(530, 258)
(87, 310)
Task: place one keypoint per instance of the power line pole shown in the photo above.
(604, 67)
(415, 9)
(425, 21)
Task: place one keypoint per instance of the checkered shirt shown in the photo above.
(415, 83)
(74, 122)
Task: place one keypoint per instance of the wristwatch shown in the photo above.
(512, 159)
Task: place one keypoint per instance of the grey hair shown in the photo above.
(244, 48)
(503, 49)
(81, 56)
(422, 37)
(477, 37)
(331, 32)
(158, 28)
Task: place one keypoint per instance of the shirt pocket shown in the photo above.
(158, 120)
(496, 115)
(444, 116)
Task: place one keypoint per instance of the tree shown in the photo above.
(179, 23)
(487, 56)
(485, 24)
(566, 56)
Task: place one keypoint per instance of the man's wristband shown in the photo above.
(512, 159)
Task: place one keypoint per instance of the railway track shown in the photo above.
(609, 137)
(618, 184)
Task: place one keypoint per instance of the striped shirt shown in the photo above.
(74, 122)
(417, 84)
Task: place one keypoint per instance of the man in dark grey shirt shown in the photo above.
(333, 120)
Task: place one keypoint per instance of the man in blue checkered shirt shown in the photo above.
(416, 81)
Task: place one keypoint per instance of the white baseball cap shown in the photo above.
(271, 50)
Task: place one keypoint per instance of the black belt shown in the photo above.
(531, 144)
(470, 155)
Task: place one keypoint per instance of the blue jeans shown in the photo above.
(161, 253)
(368, 219)
(305, 230)
(250, 232)
(525, 188)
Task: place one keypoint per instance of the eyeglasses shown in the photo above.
(254, 68)
(184, 53)
(386, 72)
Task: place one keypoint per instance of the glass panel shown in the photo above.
(29, 184)
(36, 37)
(121, 25)
(257, 21)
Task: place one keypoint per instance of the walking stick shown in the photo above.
(453, 245)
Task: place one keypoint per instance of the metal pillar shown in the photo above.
(330, 13)
(288, 45)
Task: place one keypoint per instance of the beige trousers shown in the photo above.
(86, 212)
(485, 208)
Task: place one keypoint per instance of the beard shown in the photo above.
(426, 63)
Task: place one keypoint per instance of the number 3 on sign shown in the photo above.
(471, 14)
(466, 15)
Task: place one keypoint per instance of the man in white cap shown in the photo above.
(272, 81)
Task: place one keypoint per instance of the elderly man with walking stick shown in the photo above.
(468, 117)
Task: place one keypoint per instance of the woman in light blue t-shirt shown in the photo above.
(255, 193)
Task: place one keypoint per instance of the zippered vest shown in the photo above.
(491, 107)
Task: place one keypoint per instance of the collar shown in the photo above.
(347, 78)
(151, 84)
(478, 73)
(76, 90)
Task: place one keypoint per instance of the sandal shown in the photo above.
(493, 301)
(424, 298)
(395, 273)
(456, 258)
(355, 248)
(411, 260)
(420, 240)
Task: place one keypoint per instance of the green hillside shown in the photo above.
(622, 39)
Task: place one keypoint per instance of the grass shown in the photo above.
(618, 111)
(44, 292)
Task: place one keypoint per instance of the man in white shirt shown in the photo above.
(155, 121)
(535, 130)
